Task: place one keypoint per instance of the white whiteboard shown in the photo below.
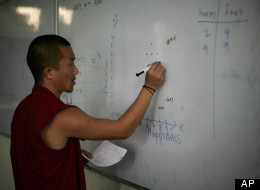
(202, 128)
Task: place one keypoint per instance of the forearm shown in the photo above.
(132, 117)
(75, 123)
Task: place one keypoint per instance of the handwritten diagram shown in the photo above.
(101, 79)
(224, 15)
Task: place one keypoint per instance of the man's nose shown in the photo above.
(76, 71)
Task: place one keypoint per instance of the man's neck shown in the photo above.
(52, 89)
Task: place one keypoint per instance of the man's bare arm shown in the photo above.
(72, 122)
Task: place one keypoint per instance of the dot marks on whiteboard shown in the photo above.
(169, 41)
(151, 53)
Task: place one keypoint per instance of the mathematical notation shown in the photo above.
(88, 3)
(229, 15)
(162, 131)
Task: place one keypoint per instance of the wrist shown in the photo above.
(150, 89)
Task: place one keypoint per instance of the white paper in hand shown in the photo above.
(107, 154)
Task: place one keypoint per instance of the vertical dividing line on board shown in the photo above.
(213, 76)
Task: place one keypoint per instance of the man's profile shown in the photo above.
(45, 132)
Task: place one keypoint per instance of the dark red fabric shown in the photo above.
(35, 165)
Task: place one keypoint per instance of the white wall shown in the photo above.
(6, 176)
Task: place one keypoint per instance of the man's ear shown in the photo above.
(48, 73)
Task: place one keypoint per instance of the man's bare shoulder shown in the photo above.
(70, 116)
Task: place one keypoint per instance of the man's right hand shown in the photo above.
(155, 75)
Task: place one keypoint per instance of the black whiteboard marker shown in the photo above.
(143, 71)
